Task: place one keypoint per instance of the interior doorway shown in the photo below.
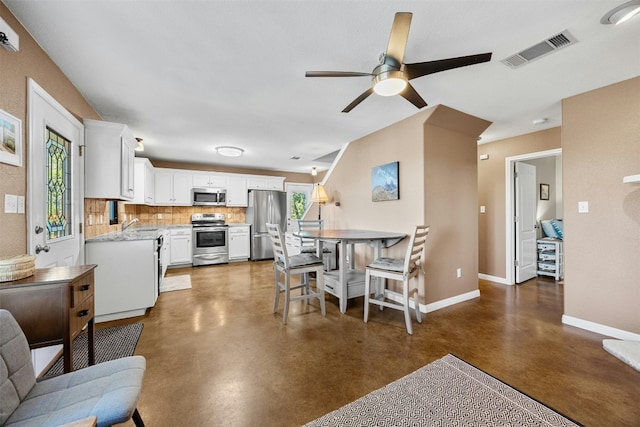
(543, 209)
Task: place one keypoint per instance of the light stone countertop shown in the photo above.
(136, 233)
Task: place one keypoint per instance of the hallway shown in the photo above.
(217, 355)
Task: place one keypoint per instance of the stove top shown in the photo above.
(208, 219)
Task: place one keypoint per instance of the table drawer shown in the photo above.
(546, 246)
(82, 288)
(546, 255)
(545, 266)
(80, 316)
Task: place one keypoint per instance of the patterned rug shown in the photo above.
(111, 343)
(447, 392)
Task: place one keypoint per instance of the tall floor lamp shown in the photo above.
(319, 196)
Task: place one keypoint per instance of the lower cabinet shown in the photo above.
(239, 243)
(126, 279)
(180, 246)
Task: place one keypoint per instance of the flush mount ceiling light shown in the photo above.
(314, 171)
(140, 146)
(538, 122)
(229, 151)
(622, 13)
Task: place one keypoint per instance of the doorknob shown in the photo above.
(39, 229)
(40, 248)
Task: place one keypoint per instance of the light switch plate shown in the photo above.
(583, 207)
(10, 203)
(482, 209)
(20, 204)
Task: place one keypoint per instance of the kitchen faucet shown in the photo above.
(129, 224)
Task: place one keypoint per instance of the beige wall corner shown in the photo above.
(601, 145)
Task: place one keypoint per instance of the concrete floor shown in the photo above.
(218, 356)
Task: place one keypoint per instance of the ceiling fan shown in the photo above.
(391, 76)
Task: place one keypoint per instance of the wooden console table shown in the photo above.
(53, 306)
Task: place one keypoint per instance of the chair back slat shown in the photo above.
(415, 248)
(277, 242)
(309, 225)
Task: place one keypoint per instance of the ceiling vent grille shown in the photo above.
(541, 49)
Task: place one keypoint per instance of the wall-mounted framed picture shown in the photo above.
(10, 139)
(385, 184)
(544, 191)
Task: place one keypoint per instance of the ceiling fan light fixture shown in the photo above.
(389, 83)
(622, 13)
(228, 151)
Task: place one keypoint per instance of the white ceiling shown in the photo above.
(187, 76)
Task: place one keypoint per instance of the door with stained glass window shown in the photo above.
(55, 191)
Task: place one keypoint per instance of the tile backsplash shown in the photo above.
(148, 215)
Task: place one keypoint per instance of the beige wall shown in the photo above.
(491, 194)
(600, 145)
(15, 68)
(436, 150)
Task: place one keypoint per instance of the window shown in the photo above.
(58, 186)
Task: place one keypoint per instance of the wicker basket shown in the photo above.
(17, 267)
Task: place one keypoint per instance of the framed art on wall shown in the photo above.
(384, 182)
(544, 191)
(10, 139)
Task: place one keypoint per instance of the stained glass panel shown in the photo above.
(298, 204)
(58, 186)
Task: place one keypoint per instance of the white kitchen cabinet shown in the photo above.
(239, 242)
(172, 188)
(265, 183)
(109, 160)
(237, 192)
(180, 246)
(144, 182)
(202, 180)
(126, 279)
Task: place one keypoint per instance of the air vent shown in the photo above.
(541, 49)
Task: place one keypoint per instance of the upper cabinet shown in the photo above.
(237, 192)
(144, 182)
(265, 183)
(109, 160)
(201, 180)
(172, 187)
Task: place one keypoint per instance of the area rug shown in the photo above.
(625, 350)
(176, 283)
(111, 343)
(447, 392)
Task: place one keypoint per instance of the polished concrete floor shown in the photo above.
(218, 356)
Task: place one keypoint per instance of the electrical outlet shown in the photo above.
(90, 219)
(159, 216)
(459, 273)
(21, 204)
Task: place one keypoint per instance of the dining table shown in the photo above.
(348, 282)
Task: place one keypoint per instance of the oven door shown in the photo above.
(210, 245)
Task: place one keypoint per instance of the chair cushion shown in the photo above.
(312, 250)
(302, 260)
(390, 264)
(17, 376)
(108, 390)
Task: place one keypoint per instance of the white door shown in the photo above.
(298, 201)
(525, 219)
(55, 185)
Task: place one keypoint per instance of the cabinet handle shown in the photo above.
(85, 287)
(83, 313)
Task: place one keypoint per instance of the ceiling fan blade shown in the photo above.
(358, 100)
(410, 94)
(399, 35)
(335, 74)
(420, 69)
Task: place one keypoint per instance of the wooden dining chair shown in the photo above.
(285, 265)
(401, 270)
(310, 246)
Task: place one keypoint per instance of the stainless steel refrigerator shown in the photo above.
(265, 206)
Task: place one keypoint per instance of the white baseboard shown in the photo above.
(427, 308)
(599, 329)
(496, 279)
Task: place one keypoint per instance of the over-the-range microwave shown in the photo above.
(209, 197)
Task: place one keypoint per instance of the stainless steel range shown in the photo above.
(210, 239)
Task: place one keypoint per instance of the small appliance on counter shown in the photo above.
(210, 239)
